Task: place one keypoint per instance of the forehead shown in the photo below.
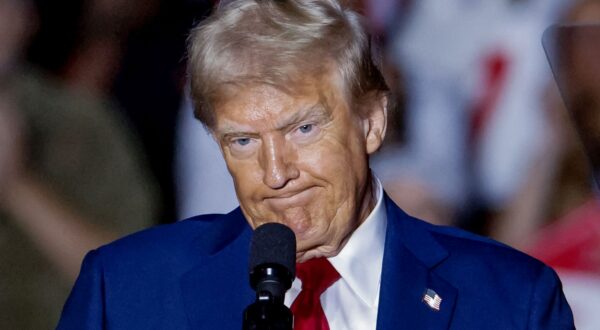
(259, 106)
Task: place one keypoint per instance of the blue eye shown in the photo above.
(242, 141)
(306, 128)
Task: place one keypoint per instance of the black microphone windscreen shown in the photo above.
(273, 243)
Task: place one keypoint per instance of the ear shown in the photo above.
(375, 122)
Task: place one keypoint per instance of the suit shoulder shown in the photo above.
(199, 235)
(471, 249)
(484, 270)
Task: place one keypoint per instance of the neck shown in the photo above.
(367, 205)
(369, 201)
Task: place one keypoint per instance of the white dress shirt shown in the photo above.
(352, 301)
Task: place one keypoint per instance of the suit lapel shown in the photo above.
(410, 256)
(222, 276)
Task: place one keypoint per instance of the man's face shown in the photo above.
(300, 160)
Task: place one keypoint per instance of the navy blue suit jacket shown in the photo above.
(194, 275)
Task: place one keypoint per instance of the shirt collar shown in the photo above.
(360, 261)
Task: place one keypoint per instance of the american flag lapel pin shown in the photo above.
(432, 299)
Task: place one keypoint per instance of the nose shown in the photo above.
(278, 162)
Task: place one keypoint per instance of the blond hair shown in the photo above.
(277, 42)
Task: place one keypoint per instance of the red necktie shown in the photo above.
(316, 276)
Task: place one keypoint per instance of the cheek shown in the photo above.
(246, 176)
(335, 161)
(337, 153)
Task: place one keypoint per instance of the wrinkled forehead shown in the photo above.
(325, 87)
(268, 115)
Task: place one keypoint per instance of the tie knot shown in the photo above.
(316, 275)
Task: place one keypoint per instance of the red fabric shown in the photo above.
(572, 242)
(316, 276)
(496, 71)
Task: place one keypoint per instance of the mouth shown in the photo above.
(292, 199)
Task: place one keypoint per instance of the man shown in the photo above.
(290, 93)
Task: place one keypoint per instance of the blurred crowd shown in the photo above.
(89, 92)
(493, 128)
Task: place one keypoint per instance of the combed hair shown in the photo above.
(278, 42)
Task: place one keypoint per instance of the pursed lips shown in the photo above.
(292, 198)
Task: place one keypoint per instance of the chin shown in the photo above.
(305, 256)
(316, 251)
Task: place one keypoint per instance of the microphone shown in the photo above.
(272, 269)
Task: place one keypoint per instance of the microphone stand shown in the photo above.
(268, 312)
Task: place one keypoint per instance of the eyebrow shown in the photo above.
(315, 112)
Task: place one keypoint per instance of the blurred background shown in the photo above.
(497, 123)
